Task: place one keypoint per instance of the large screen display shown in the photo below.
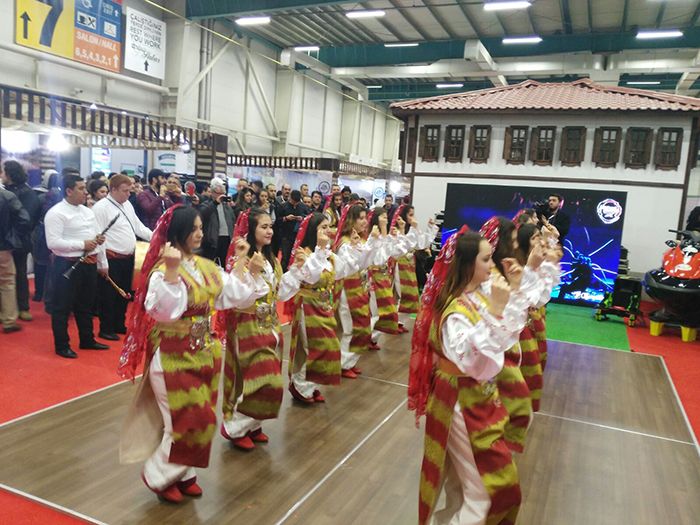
(591, 248)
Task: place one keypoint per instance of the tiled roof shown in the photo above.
(582, 94)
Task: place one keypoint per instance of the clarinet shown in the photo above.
(77, 263)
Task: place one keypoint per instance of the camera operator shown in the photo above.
(217, 222)
(552, 216)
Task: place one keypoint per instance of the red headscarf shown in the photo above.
(341, 223)
(421, 362)
(140, 323)
(396, 216)
(288, 307)
(370, 216)
(239, 232)
(490, 231)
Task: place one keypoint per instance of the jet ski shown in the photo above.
(676, 285)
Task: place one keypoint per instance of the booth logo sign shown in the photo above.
(609, 211)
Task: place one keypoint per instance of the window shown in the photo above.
(411, 153)
(454, 143)
(430, 143)
(667, 155)
(515, 144)
(638, 147)
(479, 144)
(573, 146)
(542, 145)
(606, 147)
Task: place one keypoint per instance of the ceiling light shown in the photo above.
(365, 14)
(57, 142)
(374, 86)
(93, 106)
(306, 48)
(668, 33)
(504, 6)
(448, 86)
(522, 40)
(394, 186)
(643, 82)
(402, 44)
(16, 141)
(253, 20)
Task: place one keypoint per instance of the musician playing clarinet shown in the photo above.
(119, 246)
(74, 239)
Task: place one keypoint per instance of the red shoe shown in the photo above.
(373, 347)
(170, 494)
(190, 488)
(243, 443)
(318, 397)
(349, 373)
(296, 395)
(258, 436)
(357, 370)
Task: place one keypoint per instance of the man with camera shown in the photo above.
(217, 222)
(551, 215)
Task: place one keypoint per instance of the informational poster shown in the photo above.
(144, 44)
(87, 31)
(101, 160)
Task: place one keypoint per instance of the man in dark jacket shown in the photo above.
(14, 225)
(154, 200)
(289, 217)
(217, 223)
(15, 180)
(558, 218)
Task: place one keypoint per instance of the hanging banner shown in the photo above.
(87, 31)
(144, 44)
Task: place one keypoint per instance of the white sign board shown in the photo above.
(144, 44)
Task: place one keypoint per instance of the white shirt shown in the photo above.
(68, 227)
(121, 237)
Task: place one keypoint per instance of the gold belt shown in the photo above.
(448, 367)
(324, 297)
(265, 314)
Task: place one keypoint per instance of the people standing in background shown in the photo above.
(271, 192)
(41, 252)
(98, 175)
(218, 220)
(316, 202)
(97, 190)
(347, 194)
(14, 224)
(290, 215)
(304, 190)
(153, 200)
(242, 183)
(15, 180)
(173, 190)
(265, 204)
(72, 234)
(257, 187)
(284, 196)
(335, 188)
(306, 201)
(389, 206)
(557, 218)
(120, 246)
(244, 201)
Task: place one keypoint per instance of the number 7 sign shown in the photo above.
(45, 25)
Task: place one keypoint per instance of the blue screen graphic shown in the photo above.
(591, 248)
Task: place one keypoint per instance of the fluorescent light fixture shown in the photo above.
(57, 142)
(402, 44)
(522, 40)
(449, 86)
(505, 6)
(374, 86)
(306, 48)
(643, 82)
(123, 112)
(253, 20)
(375, 13)
(667, 33)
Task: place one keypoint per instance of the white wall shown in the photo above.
(650, 212)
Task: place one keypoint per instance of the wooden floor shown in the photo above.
(611, 446)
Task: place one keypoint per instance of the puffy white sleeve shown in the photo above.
(399, 245)
(476, 349)
(537, 285)
(516, 311)
(165, 302)
(358, 257)
(345, 266)
(372, 252)
(427, 237)
(240, 290)
(309, 273)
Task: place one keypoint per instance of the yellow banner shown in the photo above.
(46, 25)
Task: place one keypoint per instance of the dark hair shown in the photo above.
(461, 269)
(304, 184)
(316, 192)
(69, 170)
(69, 181)
(389, 195)
(15, 172)
(54, 181)
(311, 237)
(181, 225)
(295, 195)
(353, 215)
(525, 233)
(526, 215)
(253, 219)
(346, 188)
(378, 212)
(268, 186)
(154, 174)
(404, 216)
(556, 195)
(504, 247)
(96, 175)
(354, 197)
(95, 185)
(240, 199)
(257, 183)
(113, 173)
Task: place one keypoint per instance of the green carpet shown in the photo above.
(575, 324)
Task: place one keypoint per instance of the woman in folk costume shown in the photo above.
(536, 288)
(353, 305)
(468, 319)
(253, 384)
(333, 209)
(172, 421)
(405, 280)
(314, 352)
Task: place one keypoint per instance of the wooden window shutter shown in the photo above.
(507, 142)
(648, 145)
(563, 144)
(582, 146)
(597, 141)
(628, 146)
(534, 142)
(463, 132)
(488, 142)
(446, 148)
(657, 148)
(679, 146)
(471, 141)
(421, 143)
(618, 142)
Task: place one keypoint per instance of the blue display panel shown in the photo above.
(591, 248)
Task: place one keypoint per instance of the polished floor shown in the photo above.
(611, 446)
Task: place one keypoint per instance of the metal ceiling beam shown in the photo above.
(531, 17)
(361, 27)
(625, 10)
(660, 15)
(223, 8)
(329, 31)
(470, 19)
(440, 20)
(566, 16)
(409, 18)
(355, 25)
(696, 15)
(341, 24)
(299, 30)
(323, 35)
(590, 16)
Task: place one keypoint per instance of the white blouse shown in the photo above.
(166, 302)
(309, 273)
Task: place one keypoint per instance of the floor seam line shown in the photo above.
(680, 405)
(338, 465)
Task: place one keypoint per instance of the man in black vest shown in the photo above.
(556, 217)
